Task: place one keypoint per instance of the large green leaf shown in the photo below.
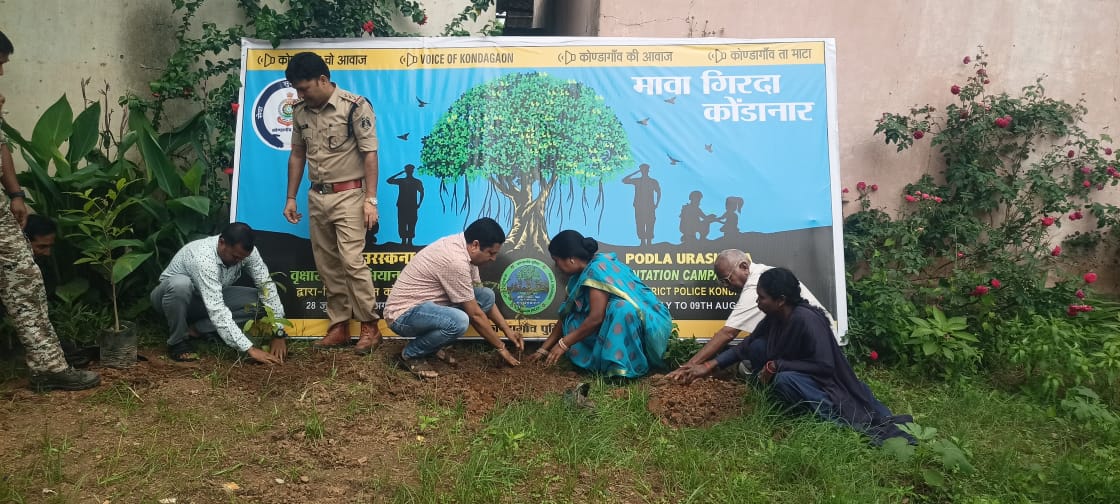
(200, 204)
(158, 164)
(85, 134)
(54, 126)
(45, 191)
(193, 177)
(127, 264)
(69, 292)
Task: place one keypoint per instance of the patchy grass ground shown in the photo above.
(335, 427)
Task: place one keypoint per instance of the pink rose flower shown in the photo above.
(1080, 294)
(1070, 153)
(996, 283)
(228, 170)
(874, 187)
(1090, 277)
(1086, 183)
(234, 107)
(918, 134)
(845, 191)
(1056, 251)
(873, 355)
(368, 27)
(955, 89)
(1047, 221)
(980, 290)
(910, 198)
(967, 60)
(861, 186)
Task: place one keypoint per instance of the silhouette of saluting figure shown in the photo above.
(730, 218)
(694, 222)
(409, 198)
(647, 196)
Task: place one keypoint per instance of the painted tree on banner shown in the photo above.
(541, 142)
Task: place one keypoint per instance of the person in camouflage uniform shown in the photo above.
(21, 282)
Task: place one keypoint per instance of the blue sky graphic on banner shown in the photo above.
(738, 136)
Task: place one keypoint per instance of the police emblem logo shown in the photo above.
(273, 114)
(366, 123)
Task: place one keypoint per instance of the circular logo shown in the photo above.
(272, 114)
(528, 286)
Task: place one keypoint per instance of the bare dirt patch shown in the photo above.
(327, 426)
(699, 404)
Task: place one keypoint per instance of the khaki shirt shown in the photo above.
(332, 155)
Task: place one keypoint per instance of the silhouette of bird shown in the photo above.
(673, 161)
(403, 137)
(644, 122)
(421, 102)
(708, 147)
(671, 101)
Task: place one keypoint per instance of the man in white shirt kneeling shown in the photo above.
(197, 288)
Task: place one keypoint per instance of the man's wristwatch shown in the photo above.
(280, 334)
(372, 200)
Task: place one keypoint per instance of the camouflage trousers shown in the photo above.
(22, 292)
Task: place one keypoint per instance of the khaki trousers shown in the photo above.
(338, 239)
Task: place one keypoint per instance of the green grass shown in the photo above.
(548, 452)
(545, 451)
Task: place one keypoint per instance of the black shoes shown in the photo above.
(70, 379)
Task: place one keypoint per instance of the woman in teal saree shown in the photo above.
(611, 323)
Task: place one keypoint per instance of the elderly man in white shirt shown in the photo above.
(735, 270)
(197, 287)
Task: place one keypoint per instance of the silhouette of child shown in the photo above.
(730, 218)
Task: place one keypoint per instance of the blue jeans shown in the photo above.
(433, 326)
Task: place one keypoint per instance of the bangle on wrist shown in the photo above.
(17, 194)
(542, 351)
(291, 197)
(563, 346)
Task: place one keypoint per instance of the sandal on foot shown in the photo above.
(447, 358)
(182, 352)
(418, 367)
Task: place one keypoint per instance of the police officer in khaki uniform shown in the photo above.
(334, 134)
(21, 283)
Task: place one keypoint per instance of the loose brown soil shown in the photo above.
(699, 404)
(320, 428)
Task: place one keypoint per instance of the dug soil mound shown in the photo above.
(699, 404)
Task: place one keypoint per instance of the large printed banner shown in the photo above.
(666, 151)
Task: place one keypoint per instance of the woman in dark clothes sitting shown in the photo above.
(793, 350)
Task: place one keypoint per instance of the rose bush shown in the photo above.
(975, 241)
